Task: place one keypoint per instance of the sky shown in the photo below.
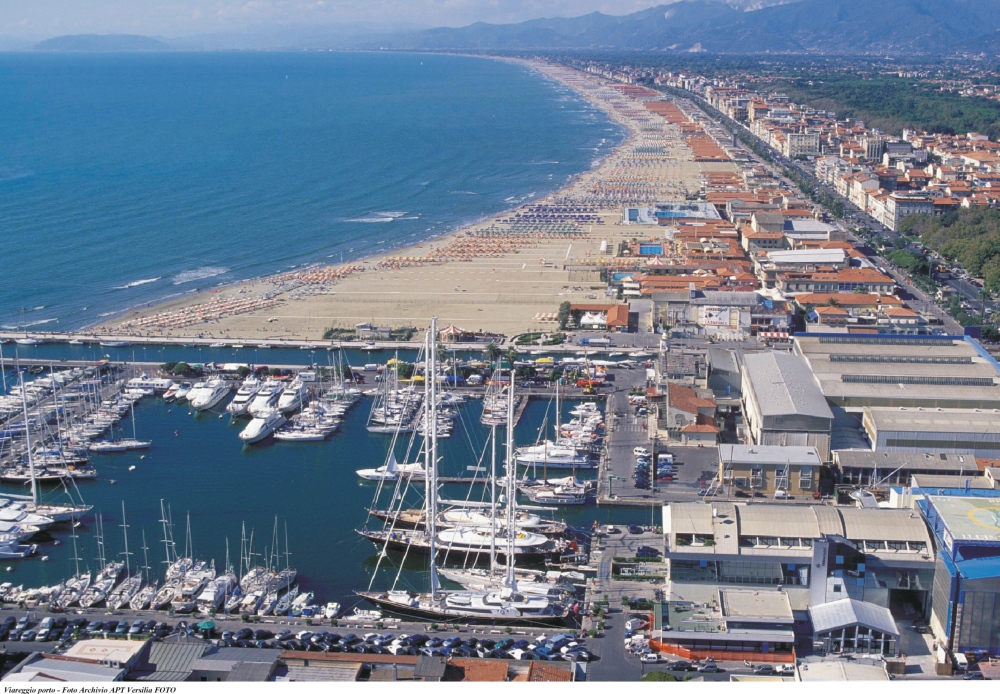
(38, 19)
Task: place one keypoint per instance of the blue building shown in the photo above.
(965, 606)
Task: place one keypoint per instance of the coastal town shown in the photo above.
(722, 408)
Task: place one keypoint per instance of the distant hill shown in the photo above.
(101, 42)
(837, 26)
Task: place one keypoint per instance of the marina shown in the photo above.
(185, 442)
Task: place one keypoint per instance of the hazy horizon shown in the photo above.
(41, 19)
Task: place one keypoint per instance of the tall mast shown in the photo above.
(511, 489)
(27, 442)
(100, 540)
(493, 498)
(76, 553)
(125, 533)
(166, 534)
(431, 381)
(145, 554)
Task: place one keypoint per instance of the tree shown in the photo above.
(563, 315)
(511, 354)
(832, 301)
(181, 369)
(492, 352)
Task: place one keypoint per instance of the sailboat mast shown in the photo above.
(511, 489)
(145, 554)
(125, 533)
(431, 381)
(27, 442)
(493, 498)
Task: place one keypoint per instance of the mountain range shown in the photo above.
(716, 26)
(827, 26)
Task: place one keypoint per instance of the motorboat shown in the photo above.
(211, 599)
(393, 470)
(210, 395)
(244, 396)
(266, 398)
(295, 395)
(183, 392)
(262, 426)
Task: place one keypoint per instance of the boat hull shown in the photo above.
(428, 615)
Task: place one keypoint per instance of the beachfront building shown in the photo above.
(782, 404)
(666, 213)
(965, 615)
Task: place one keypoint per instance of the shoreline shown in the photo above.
(247, 310)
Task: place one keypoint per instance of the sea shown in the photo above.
(126, 179)
(130, 178)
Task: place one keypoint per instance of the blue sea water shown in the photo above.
(127, 178)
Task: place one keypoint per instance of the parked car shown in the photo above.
(635, 529)
(709, 667)
(650, 658)
(974, 675)
(764, 670)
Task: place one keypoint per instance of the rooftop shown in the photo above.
(106, 650)
(969, 518)
(889, 461)
(922, 419)
(777, 455)
(784, 385)
(848, 612)
(766, 605)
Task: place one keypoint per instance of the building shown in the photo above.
(935, 430)
(235, 665)
(668, 212)
(768, 469)
(902, 204)
(782, 405)
(858, 371)
(965, 614)
(812, 554)
(852, 626)
(801, 144)
(89, 660)
(884, 469)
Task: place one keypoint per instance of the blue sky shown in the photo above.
(34, 19)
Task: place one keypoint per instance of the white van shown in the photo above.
(961, 662)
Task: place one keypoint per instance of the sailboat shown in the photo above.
(142, 598)
(504, 605)
(106, 578)
(126, 590)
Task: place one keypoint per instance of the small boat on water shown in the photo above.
(114, 343)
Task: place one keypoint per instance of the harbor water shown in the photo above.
(198, 466)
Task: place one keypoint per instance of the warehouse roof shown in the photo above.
(849, 612)
(889, 460)
(895, 525)
(923, 419)
(784, 385)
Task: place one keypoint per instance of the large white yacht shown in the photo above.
(267, 397)
(210, 394)
(295, 395)
(244, 396)
(262, 426)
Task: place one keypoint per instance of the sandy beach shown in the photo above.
(505, 274)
